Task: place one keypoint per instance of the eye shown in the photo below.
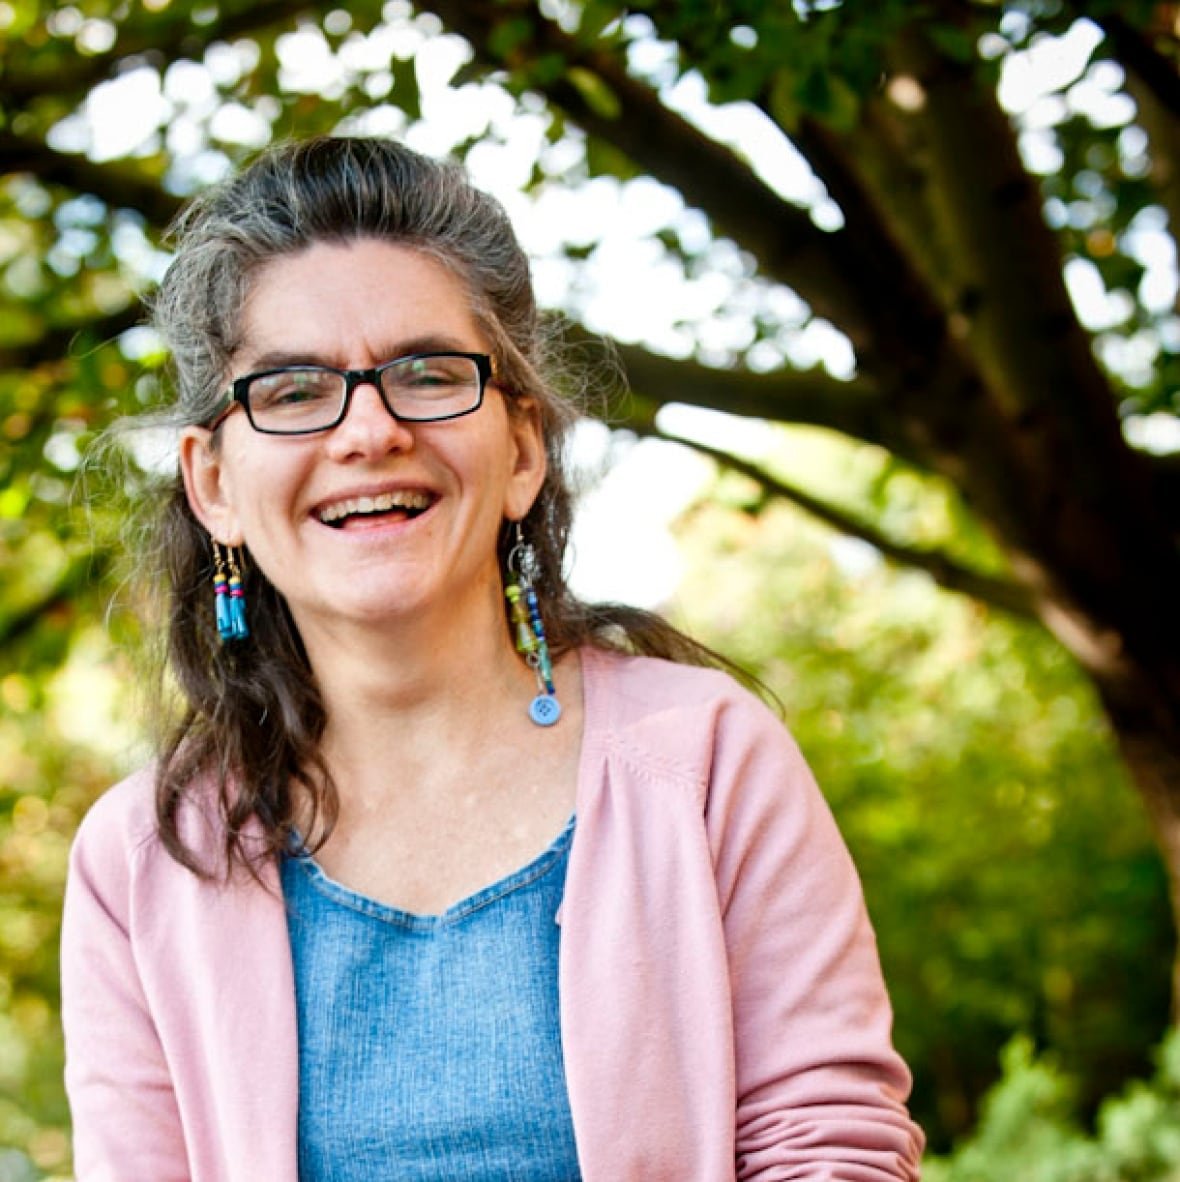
(431, 373)
(292, 388)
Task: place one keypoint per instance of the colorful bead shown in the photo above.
(221, 607)
(237, 608)
(526, 642)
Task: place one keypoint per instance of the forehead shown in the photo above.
(354, 303)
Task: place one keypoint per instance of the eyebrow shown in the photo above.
(281, 358)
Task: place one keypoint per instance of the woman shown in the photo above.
(397, 900)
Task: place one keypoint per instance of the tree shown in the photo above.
(943, 268)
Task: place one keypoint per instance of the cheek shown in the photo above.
(256, 475)
(262, 499)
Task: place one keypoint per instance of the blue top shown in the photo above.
(430, 1046)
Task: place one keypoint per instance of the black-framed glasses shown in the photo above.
(418, 388)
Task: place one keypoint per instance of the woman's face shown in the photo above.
(442, 490)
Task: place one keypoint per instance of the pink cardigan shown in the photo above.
(722, 1009)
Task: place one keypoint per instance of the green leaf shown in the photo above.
(508, 36)
(603, 159)
(596, 94)
(785, 107)
(956, 43)
(405, 87)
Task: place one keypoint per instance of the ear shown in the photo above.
(203, 474)
(529, 460)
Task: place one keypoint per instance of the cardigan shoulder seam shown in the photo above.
(646, 763)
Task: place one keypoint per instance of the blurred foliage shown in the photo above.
(1030, 1128)
(1008, 868)
(63, 739)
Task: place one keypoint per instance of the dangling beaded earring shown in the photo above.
(229, 599)
(544, 709)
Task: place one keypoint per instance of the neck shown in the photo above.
(418, 695)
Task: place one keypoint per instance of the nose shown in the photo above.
(368, 426)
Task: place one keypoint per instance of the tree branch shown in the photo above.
(863, 285)
(156, 39)
(1163, 134)
(873, 172)
(1047, 408)
(82, 574)
(873, 175)
(58, 343)
(710, 176)
(1134, 50)
(944, 570)
(1153, 84)
(1165, 481)
(811, 397)
(116, 184)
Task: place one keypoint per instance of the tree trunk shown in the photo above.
(1145, 719)
(1155, 765)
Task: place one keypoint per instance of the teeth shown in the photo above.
(383, 503)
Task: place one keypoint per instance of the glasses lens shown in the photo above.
(295, 399)
(438, 387)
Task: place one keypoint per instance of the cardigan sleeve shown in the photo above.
(126, 1121)
(820, 1090)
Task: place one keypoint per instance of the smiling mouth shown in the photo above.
(403, 505)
